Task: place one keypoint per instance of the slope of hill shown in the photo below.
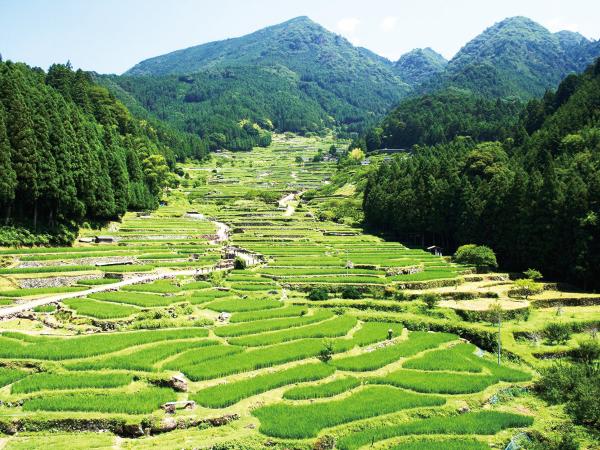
(515, 57)
(545, 180)
(419, 65)
(70, 152)
(296, 75)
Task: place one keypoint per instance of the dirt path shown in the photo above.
(287, 202)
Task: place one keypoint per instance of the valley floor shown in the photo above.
(216, 317)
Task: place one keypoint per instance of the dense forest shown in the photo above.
(440, 117)
(534, 197)
(295, 76)
(70, 152)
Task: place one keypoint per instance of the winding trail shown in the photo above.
(287, 202)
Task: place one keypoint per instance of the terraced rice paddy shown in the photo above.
(248, 341)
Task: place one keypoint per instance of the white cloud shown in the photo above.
(348, 24)
(388, 23)
(557, 24)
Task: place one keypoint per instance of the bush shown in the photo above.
(533, 274)
(239, 263)
(351, 293)
(479, 256)
(318, 294)
(587, 352)
(526, 287)
(556, 332)
(326, 352)
(430, 300)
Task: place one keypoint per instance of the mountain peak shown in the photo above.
(419, 65)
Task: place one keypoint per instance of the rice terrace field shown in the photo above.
(236, 317)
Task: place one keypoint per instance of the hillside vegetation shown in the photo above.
(532, 197)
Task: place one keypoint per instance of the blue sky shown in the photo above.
(110, 36)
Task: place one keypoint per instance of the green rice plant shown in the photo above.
(241, 305)
(417, 342)
(61, 348)
(338, 326)
(9, 375)
(437, 382)
(257, 359)
(41, 291)
(195, 285)
(97, 281)
(67, 380)
(6, 301)
(322, 390)
(305, 421)
(426, 275)
(99, 309)
(140, 359)
(223, 395)
(481, 422)
(459, 358)
(137, 298)
(158, 287)
(371, 332)
(206, 295)
(285, 311)
(44, 309)
(446, 444)
(245, 286)
(190, 361)
(61, 441)
(126, 268)
(46, 269)
(153, 256)
(143, 401)
(260, 326)
(336, 279)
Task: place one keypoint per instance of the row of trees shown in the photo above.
(534, 198)
(70, 152)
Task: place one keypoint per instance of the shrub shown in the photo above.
(477, 255)
(526, 287)
(239, 263)
(587, 352)
(430, 300)
(326, 352)
(351, 293)
(318, 294)
(533, 274)
(557, 333)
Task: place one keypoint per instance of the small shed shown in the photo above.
(86, 240)
(435, 250)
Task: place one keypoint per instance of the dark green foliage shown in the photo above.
(326, 352)
(430, 300)
(557, 332)
(479, 256)
(318, 294)
(576, 385)
(70, 152)
(351, 292)
(294, 76)
(441, 116)
(419, 65)
(533, 199)
(515, 57)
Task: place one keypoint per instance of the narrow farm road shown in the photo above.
(287, 203)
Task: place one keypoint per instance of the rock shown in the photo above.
(132, 430)
(179, 383)
(167, 424)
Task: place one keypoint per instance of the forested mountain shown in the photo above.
(419, 65)
(534, 197)
(70, 152)
(515, 57)
(295, 76)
